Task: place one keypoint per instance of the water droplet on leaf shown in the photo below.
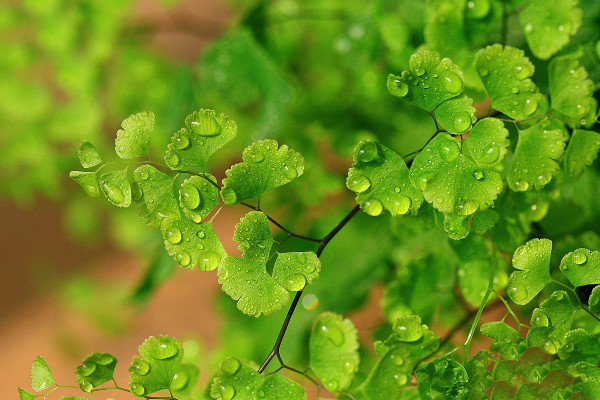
(139, 367)
(181, 142)
(579, 257)
(183, 258)
(373, 207)
(165, 349)
(227, 392)
(173, 235)
(367, 152)
(172, 160)
(137, 389)
(400, 205)
(205, 125)
(228, 195)
(105, 359)
(452, 82)
(333, 333)
(478, 174)
(86, 369)
(296, 282)
(358, 183)
(209, 260)
(230, 366)
(113, 193)
(449, 150)
(179, 380)
(190, 197)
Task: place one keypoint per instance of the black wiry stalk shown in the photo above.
(322, 243)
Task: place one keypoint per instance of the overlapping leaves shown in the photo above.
(550, 322)
(533, 261)
(380, 179)
(458, 176)
(133, 140)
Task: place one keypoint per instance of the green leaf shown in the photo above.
(580, 345)
(205, 132)
(443, 378)
(506, 73)
(133, 140)
(265, 167)
(533, 164)
(41, 376)
(571, 94)
(533, 259)
(25, 395)
(245, 278)
(88, 181)
(456, 115)
(408, 328)
(198, 196)
(95, 370)
(185, 379)
(278, 387)
(480, 379)
(235, 380)
(507, 340)
(294, 271)
(192, 243)
(88, 155)
(333, 351)
(456, 226)
(457, 176)
(581, 151)
(484, 220)
(380, 179)
(158, 201)
(156, 368)
(116, 187)
(548, 25)
(429, 82)
(394, 369)
(550, 322)
(594, 300)
(581, 267)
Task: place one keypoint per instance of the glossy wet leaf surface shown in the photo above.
(158, 364)
(204, 133)
(507, 340)
(442, 378)
(294, 271)
(88, 155)
(41, 376)
(157, 201)
(94, 370)
(571, 92)
(533, 261)
(278, 387)
(265, 166)
(134, 137)
(550, 322)
(116, 188)
(581, 267)
(333, 351)
(88, 181)
(198, 196)
(456, 115)
(581, 152)
(380, 179)
(235, 381)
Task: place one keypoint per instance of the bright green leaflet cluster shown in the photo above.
(462, 187)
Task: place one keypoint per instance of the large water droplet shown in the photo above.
(113, 193)
(165, 349)
(400, 205)
(310, 301)
(397, 359)
(349, 367)
(522, 185)
(296, 282)
(401, 378)
(105, 359)
(172, 160)
(528, 28)
(179, 380)
(367, 152)
(201, 234)
(86, 369)
(227, 392)
(332, 385)
(205, 125)
(333, 333)
(358, 183)
(478, 174)
(579, 257)
(139, 367)
(189, 196)
(142, 174)
(491, 154)
(539, 318)
(529, 106)
(523, 71)
(137, 389)
(551, 346)
(228, 195)
(518, 293)
(398, 88)
(181, 142)
(373, 207)
(449, 150)
(209, 260)
(256, 155)
(462, 121)
(183, 258)
(290, 172)
(478, 8)
(230, 366)
(86, 386)
(452, 82)
(173, 235)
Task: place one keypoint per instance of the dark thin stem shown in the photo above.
(283, 228)
(322, 244)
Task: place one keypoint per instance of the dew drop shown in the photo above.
(452, 82)
(490, 154)
(449, 150)
(181, 142)
(173, 235)
(551, 346)
(227, 392)
(523, 71)
(419, 71)
(228, 195)
(349, 367)
(137, 389)
(205, 125)
(478, 8)
(179, 380)
(367, 152)
(165, 349)
(310, 301)
(86, 386)
(142, 174)
(332, 385)
(528, 28)
(172, 160)
(522, 185)
(529, 106)
(183, 258)
(113, 193)
(358, 183)
(296, 282)
(209, 260)
(139, 367)
(402, 379)
(201, 234)
(540, 318)
(514, 90)
(189, 196)
(483, 72)
(397, 359)
(105, 359)
(290, 173)
(518, 293)
(256, 155)
(230, 366)
(462, 121)
(579, 257)
(478, 174)
(398, 88)
(333, 333)
(400, 205)
(86, 369)
(136, 192)
(373, 207)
